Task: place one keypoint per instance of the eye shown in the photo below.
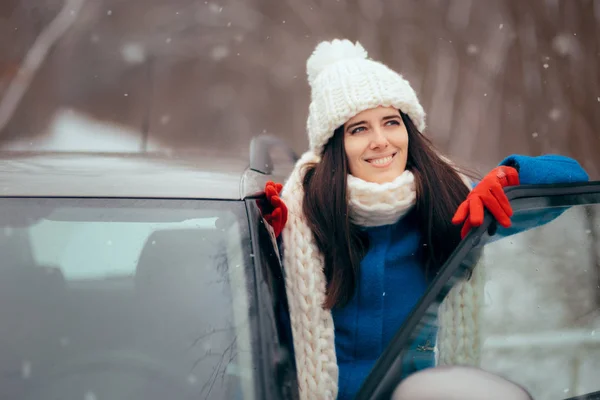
(392, 122)
(357, 130)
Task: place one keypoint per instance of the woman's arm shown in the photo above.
(546, 169)
(489, 193)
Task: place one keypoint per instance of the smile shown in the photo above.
(381, 162)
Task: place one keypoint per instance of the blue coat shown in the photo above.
(391, 278)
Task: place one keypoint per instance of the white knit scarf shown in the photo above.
(370, 204)
(373, 204)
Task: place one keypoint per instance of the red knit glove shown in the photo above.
(489, 193)
(273, 209)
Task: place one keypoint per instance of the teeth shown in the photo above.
(381, 161)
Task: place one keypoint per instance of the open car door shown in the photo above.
(522, 303)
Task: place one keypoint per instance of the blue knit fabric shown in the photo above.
(546, 169)
(390, 284)
(391, 279)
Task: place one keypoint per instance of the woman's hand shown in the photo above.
(488, 193)
(274, 210)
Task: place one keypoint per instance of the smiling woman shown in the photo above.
(376, 144)
(365, 190)
(374, 212)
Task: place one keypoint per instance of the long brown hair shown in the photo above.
(343, 245)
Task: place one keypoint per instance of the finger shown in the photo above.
(276, 201)
(276, 215)
(465, 229)
(284, 216)
(503, 201)
(475, 211)
(275, 186)
(461, 213)
(512, 176)
(493, 206)
(270, 192)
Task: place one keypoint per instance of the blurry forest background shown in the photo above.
(495, 77)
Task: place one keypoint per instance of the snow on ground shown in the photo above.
(73, 131)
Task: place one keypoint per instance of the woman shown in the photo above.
(374, 212)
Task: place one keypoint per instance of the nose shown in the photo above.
(379, 139)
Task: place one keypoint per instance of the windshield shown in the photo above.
(115, 299)
(530, 311)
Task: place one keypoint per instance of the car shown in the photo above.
(141, 276)
(154, 276)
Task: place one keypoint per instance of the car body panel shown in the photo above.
(137, 175)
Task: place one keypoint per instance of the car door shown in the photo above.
(522, 303)
(276, 352)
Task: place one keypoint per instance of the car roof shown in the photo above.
(207, 175)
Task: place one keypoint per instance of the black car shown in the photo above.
(149, 276)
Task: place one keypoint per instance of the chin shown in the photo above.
(385, 177)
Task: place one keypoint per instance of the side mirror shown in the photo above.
(458, 383)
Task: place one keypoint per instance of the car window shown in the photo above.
(530, 311)
(118, 298)
(521, 302)
(535, 308)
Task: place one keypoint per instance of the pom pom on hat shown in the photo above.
(327, 53)
(344, 82)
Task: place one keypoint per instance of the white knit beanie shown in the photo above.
(345, 82)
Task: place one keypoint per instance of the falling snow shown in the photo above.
(472, 49)
(26, 369)
(564, 44)
(219, 52)
(555, 114)
(133, 53)
(90, 396)
(165, 119)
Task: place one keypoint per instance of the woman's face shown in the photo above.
(376, 144)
